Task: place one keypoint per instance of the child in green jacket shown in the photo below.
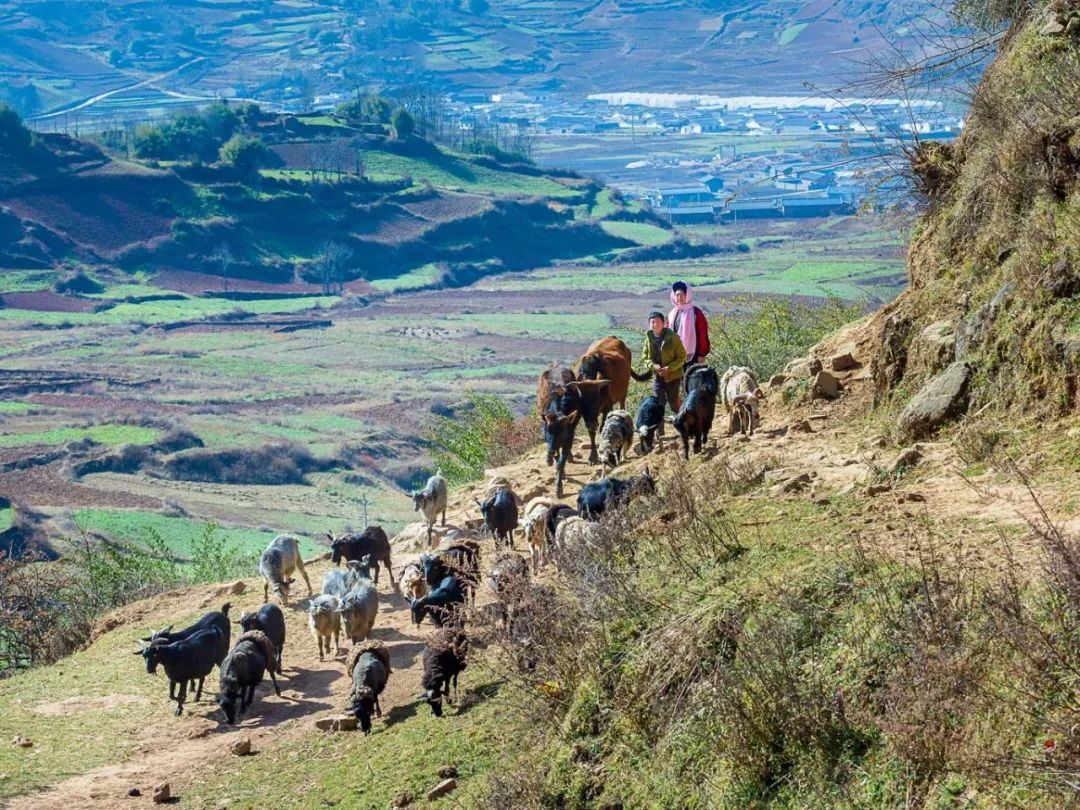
(665, 356)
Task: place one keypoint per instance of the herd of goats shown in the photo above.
(441, 584)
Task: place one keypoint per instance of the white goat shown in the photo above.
(741, 397)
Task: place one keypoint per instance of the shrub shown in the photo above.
(271, 465)
(774, 331)
(14, 137)
(244, 153)
(484, 434)
(213, 559)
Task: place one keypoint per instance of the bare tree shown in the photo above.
(332, 261)
(223, 257)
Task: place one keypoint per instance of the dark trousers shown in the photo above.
(669, 392)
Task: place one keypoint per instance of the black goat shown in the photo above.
(243, 669)
(649, 420)
(444, 659)
(500, 515)
(187, 660)
(598, 496)
(371, 542)
(441, 603)
(701, 377)
(694, 418)
(560, 413)
(215, 618)
(271, 621)
(459, 558)
(369, 668)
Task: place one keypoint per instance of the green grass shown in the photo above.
(157, 312)
(458, 173)
(25, 280)
(7, 518)
(403, 753)
(412, 280)
(103, 434)
(177, 532)
(641, 232)
(15, 407)
(76, 742)
(789, 34)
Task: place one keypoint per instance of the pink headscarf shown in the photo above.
(686, 328)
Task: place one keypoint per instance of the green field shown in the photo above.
(641, 232)
(177, 532)
(102, 434)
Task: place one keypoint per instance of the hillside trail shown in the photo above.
(820, 442)
(180, 749)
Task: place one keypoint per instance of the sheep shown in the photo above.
(339, 583)
(616, 439)
(187, 660)
(741, 397)
(649, 420)
(444, 659)
(277, 564)
(500, 516)
(271, 621)
(598, 496)
(372, 542)
(324, 619)
(358, 610)
(411, 581)
(369, 668)
(534, 526)
(573, 534)
(442, 603)
(431, 500)
(251, 656)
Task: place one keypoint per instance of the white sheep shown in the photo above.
(616, 438)
(741, 397)
(573, 535)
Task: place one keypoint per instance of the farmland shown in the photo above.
(355, 393)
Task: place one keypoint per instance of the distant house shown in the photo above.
(817, 206)
(752, 209)
(689, 214)
(678, 196)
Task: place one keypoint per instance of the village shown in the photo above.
(702, 159)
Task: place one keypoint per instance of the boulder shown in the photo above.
(802, 367)
(843, 360)
(934, 347)
(19, 741)
(447, 772)
(162, 793)
(241, 748)
(825, 386)
(942, 398)
(778, 379)
(414, 537)
(340, 722)
(442, 789)
(403, 799)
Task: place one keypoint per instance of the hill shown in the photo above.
(418, 206)
(119, 58)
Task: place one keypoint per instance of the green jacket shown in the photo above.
(672, 354)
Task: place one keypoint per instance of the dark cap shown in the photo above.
(657, 314)
(679, 285)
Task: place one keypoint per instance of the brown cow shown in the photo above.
(607, 361)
